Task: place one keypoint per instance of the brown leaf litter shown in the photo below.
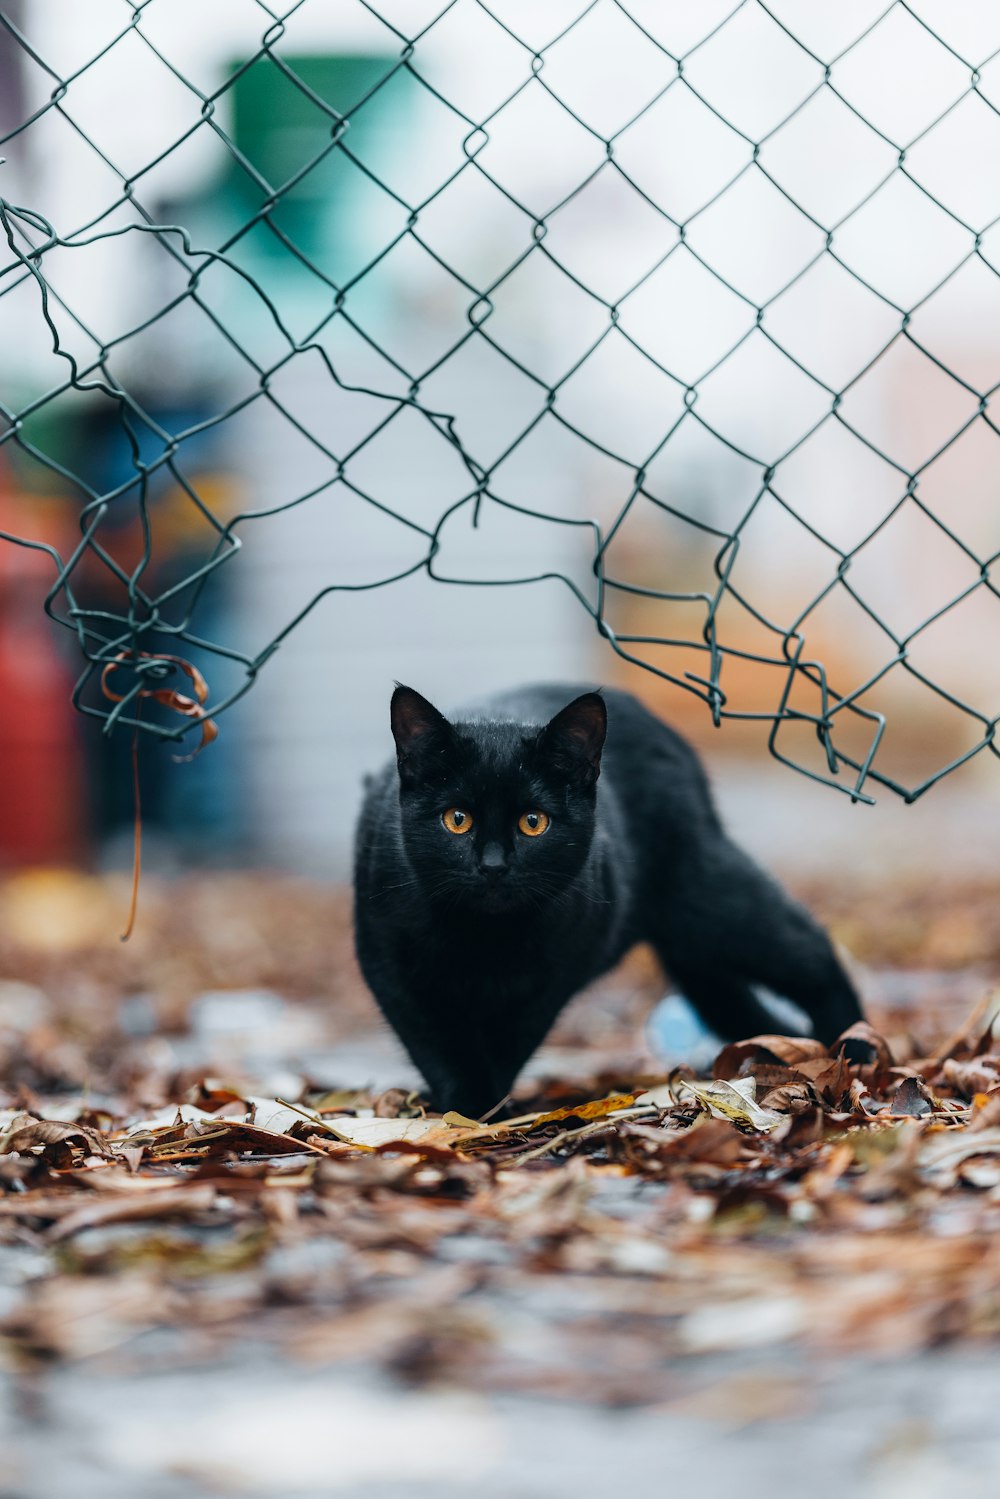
(805, 1196)
(846, 1198)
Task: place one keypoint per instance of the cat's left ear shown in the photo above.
(573, 740)
(417, 727)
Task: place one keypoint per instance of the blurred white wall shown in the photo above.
(772, 167)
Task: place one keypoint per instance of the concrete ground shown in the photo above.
(753, 1424)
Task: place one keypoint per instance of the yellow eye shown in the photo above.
(533, 824)
(457, 820)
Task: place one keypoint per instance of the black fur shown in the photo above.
(473, 943)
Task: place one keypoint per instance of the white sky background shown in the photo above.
(680, 154)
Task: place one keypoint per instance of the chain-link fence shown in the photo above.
(579, 194)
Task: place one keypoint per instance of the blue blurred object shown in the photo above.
(676, 1033)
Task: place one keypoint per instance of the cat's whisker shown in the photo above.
(387, 889)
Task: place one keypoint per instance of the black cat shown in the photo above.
(509, 858)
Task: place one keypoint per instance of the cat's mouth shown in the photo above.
(489, 897)
(496, 898)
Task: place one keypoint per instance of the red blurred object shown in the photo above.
(41, 817)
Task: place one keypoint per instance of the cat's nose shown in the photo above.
(493, 861)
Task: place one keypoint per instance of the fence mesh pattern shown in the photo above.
(146, 630)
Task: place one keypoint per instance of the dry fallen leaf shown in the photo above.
(51, 1141)
(171, 1202)
(369, 1134)
(735, 1101)
(788, 1049)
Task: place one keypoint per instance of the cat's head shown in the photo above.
(497, 815)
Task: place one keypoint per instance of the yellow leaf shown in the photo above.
(735, 1101)
(597, 1109)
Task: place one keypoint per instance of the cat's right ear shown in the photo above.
(417, 727)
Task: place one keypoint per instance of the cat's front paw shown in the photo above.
(464, 1096)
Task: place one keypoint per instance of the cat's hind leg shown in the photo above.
(726, 927)
(728, 1006)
